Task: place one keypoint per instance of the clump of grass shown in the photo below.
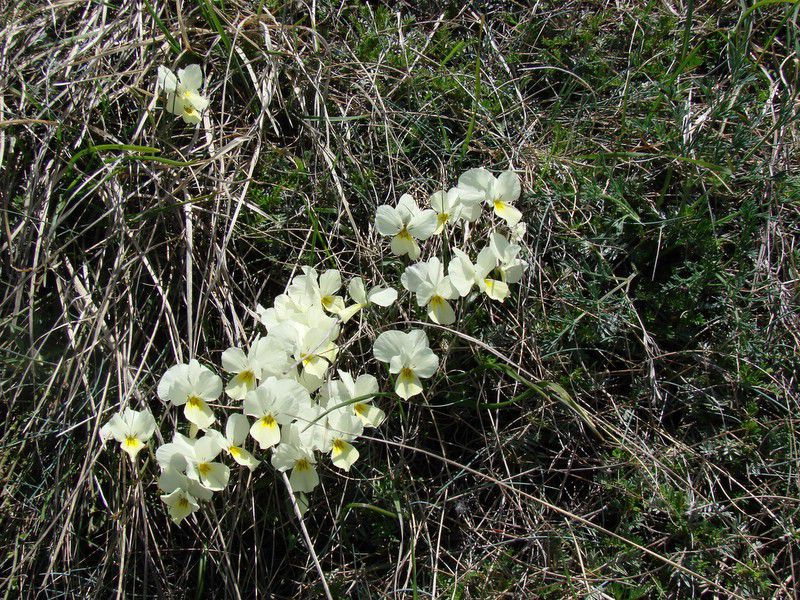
(656, 149)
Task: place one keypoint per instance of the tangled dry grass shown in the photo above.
(625, 427)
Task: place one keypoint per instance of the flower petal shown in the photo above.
(191, 77)
(389, 344)
(508, 213)
(461, 272)
(198, 412)
(383, 296)
(405, 244)
(440, 311)
(167, 80)
(343, 455)
(236, 429)
(266, 432)
(407, 385)
(304, 478)
(507, 187)
(423, 225)
(387, 221)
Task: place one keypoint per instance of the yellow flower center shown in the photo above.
(499, 204)
(183, 502)
(406, 373)
(248, 378)
(302, 465)
(235, 451)
(327, 301)
(131, 442)
(437, 302)
(360, 408)
(441, 219)
(267, 421)
(195, 402)
(204, 469)
(404, 235)
(338, 446)
(306, 359)
(489, 283)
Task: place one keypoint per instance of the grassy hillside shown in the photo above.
(624, 426)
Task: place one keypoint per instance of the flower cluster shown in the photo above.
(497, 264)
(285, 394)
(280, 393)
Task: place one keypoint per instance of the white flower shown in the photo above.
(176, 454)
(518, 232)
(297, 305)
(358, 292)
(342, 428)
(264, 358)
(321, 288)
(236, 430)
(409, 357)
(131, 428)
(274, 402)
(291, 454)
(479, 185)
(201, 466)
(182, 495)
(311, 423)
(194, 386)
(183, 95)
(196, 459)
(341, 391)
(433, 289)
(447, 206)
(463, 274)
(181, 504)
(406, 223)
(311, 345)
(511, 267)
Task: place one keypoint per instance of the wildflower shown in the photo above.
(518, 232)
(409, 357)
(274, 402)
(406, 223)
(358, 292)
(176, 454)
(342, 391)
(192, 386)
(433, 289)
(236, 430)
(447, 207)
(321, 288)
(292, 454)
(311, 345)
(297, 305)
(201, 466)
(463, 274)
(131, 428)
(182, 495)
(511, 268)
(196, 459)
(479, 185)
(183, 96)
(342, 428)
(181, 504)
(264, 358)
